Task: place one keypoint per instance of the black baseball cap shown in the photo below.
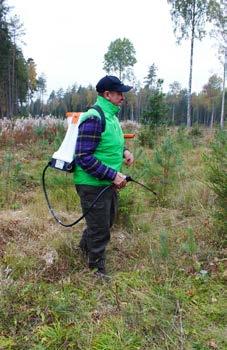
(111, 83)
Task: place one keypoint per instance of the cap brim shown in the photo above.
(124, 88)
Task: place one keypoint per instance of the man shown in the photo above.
(99, 157)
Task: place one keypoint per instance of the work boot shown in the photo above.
(99, 268)
(83, 247)
(102, 275)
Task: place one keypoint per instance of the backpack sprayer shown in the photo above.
(64, 159)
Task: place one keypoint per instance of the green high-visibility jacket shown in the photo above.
(111, 147)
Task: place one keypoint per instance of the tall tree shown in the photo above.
(21, 78)
(150, 79)
(212, 91)
(16, 31)
(221, 34)
(190, 17)
(32, 81)
(5, 45)
(155, 112)
(41, 88)
(174, 95)
(119, 57)
(13, 77)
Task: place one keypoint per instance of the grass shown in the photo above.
(166, 259)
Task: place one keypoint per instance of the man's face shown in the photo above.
(115, 97)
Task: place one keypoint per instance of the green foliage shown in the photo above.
(20, 265)
(59, 136)
(150, 79)
(39, 131)
(120, 55)
(156, 109)
(196, 131)
(149, 135)
(161, 170)
(55, 336)
(167, 156)
(196, 135)
(12, 179)
(60, 189)
(6, 343)
(188, 15)
(216, 166)
(164, 244)
(126, 204)
(189, 19)
(154, 260)
(190, 246)
(183, 139)
(13, 69)
(116, 336)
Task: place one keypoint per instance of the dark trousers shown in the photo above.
(99, 221)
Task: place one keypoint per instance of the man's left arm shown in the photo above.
(128, 156)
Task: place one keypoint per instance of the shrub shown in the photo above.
(13, 178)
(166, 161)
(126, 205)
(149, 135)
(156, 109)
(182, 138)
(195, 135)
(216, 166)
(190, 245)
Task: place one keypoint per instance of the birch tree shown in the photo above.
(41, 88)
(222, 29)
(212, 92)
(174, 91)
(32, 82)
(190, 18)
(119, 57)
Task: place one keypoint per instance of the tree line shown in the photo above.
(18, 77)
(22, 91)
(143, 104)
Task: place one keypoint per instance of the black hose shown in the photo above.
(128, 178)
(53, 212)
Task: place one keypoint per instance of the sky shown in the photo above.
(68, 40)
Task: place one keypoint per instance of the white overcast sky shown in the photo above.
(68, 40)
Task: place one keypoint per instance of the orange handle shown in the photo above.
(129, 136)
(74, 115)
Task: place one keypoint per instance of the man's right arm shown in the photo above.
(89, 136)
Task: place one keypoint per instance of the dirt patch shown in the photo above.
(19, 228)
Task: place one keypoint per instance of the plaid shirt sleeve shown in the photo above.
(89, 136)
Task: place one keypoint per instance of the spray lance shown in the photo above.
(63, 159)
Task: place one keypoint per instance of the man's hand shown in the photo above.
(120, 181)
(129, 159)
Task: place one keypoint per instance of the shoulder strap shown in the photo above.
(102, 115)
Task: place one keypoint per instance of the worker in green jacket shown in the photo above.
(100, 153)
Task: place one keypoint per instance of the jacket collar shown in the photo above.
(107, 106)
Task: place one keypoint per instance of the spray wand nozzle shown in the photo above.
(129, 178)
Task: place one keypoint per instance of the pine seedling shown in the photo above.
(164, 244)
(216, 166)
(190, 246)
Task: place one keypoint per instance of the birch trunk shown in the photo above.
(224, 3)
(223, 93)
(212, 117)
(190, 73)
(173, 114)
